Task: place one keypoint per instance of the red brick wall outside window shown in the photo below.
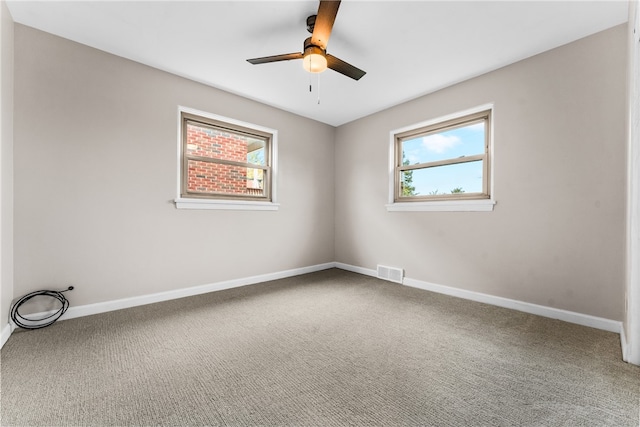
(215, 178)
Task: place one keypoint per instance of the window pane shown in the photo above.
(255, 156)
(463, 141)
(449, 179)
(205, 141)
(206, 178)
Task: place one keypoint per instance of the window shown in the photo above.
(443, 164)
(224, 163)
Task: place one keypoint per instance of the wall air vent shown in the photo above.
(391, 274)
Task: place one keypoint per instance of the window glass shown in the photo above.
(446, 160)
(462, 141)
(220, 161)
(454, 179)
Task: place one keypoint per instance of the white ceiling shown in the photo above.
(407, 48)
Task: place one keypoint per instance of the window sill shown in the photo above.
(443, 206)
(238, 205)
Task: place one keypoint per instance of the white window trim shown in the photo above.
(248, 205)
(220, 204)
(472, 205)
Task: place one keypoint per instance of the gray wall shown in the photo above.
(6, 165)
(95, 176)
(557, 234)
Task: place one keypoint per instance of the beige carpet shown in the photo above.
(324, 349)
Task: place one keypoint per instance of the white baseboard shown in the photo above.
(6, 333)
(554, 313)
(354, 269)
(540, 310)
(623, 344)
(103, 307)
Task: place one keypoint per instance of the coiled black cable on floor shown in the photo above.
(42, 322)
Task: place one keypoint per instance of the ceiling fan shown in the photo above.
(314, 55)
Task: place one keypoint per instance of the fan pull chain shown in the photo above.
(317, 85)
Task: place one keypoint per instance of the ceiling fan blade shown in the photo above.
(275, 58)
(327, 12)
(345, 68)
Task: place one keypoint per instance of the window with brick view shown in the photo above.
(224, 161)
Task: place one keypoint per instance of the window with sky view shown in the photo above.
(445, 161)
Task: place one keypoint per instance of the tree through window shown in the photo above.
(445, 160)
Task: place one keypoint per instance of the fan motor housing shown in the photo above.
(310, 48)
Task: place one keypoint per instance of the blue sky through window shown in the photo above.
(449, 144)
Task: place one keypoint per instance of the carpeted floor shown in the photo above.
(324, 349)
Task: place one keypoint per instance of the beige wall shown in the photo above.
(6, 164)
(95, 176)
(556, 236)
(89, 212)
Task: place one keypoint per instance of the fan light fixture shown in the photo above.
(314, 60)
